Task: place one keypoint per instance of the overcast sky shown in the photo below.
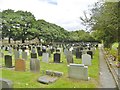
(64, 13)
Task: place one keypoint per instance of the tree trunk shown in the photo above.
(119, 52)
(9, 40)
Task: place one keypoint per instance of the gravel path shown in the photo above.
(106, 79)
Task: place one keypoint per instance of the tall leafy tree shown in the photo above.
(16, 24)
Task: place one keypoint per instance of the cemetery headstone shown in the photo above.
(47, 79)
(38, 48)
(20, 65)
(90, 53)
(34, 65)
(39, 53)
(8, 61)
(16, 54)
(5, 83)
(33, 55)
(86, 59)
(78, 54)
(78, 71)
(45, 57)
(69, 57)
(57, 58)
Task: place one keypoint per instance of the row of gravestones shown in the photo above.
(45, 58)
(77, 71)
(20, 64)
(86, 58)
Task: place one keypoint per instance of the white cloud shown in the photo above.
(64, 13)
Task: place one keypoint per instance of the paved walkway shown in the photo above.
(106, 78)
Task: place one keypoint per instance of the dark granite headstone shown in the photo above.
(57, 58)
(39, 53)
(44, 50)
(33, 55)
(38, 48)
(78, 55)
(8, 61)
(77, 49)
(90, 53)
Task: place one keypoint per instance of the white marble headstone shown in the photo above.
(45, 57)
(78, 71)
(86, 59)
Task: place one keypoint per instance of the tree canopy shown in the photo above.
(22, 25)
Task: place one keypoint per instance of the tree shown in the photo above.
(16, 24)
(104, 19)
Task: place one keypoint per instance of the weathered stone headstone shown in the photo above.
(5, 84)
(49, 72)
(33, 55)
(45, 57)
(47, 79)
(24, 55)
(69, 57)
(57, 74)
(78, 71)
(20, 65)
(16, 54)
(35, 65)
(57, 58)
(86, 59)
(90, 53)
(8, 61)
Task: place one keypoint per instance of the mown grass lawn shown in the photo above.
(28, 79)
